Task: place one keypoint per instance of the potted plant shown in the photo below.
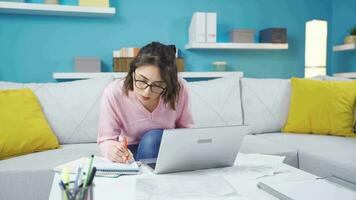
(352, 37)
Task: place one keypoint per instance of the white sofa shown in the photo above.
(72, 111)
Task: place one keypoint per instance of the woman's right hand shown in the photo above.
(117, 152)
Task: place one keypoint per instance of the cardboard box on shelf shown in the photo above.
(273, 35)
(87, 64)
(242, 36)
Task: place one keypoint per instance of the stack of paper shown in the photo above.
(263, 165)
(104, 167)
(127, 52)
(256, 159)
(249, 167)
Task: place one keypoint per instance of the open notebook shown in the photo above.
(104, 167)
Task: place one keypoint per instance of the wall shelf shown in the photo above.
(252, 46)
(59, 10)
(345, 47)
(77, 75)
(346, 75)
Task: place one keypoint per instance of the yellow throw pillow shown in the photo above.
(321, 107)
(23, 126)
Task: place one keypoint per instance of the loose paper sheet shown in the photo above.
(185, 187)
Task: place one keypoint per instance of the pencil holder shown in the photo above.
(82, 193)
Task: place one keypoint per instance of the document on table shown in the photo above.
(185, 187)
(252, 160)
(251, 166)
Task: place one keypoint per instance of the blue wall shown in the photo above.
(343, 18)
(33, 47)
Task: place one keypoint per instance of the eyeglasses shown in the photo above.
(143, 85)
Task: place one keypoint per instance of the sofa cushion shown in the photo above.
(33, 172)
(216, 102)
(71, 108)
(321, 155)
(46, 160)
(333, 78)
(265, 103)
(10, 85)
(254, 144)
(321, 107)
(23, 126)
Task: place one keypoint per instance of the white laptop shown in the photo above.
(197, 148)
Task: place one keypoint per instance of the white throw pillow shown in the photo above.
(332, 78)
(216, 102)
(265, 103)
(10, 85)
(71, 108)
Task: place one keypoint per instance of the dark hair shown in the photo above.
(162, 56)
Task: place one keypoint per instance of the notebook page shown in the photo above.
(99, 162)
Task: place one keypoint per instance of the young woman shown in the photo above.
(135, 110)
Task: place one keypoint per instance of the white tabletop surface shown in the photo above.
(124, 186)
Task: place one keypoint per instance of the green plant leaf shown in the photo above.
(353, 31)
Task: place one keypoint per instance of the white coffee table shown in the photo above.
(124, 186)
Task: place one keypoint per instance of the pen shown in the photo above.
(78, 176)
(63, 186)
(89, 171)
(87, 176)
(92, 175)
(125, 144)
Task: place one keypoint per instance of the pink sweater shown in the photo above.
(125, 115)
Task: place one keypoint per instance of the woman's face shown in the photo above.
(145, 76)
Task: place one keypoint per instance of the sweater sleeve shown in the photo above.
(185, 119)
(109, 124)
